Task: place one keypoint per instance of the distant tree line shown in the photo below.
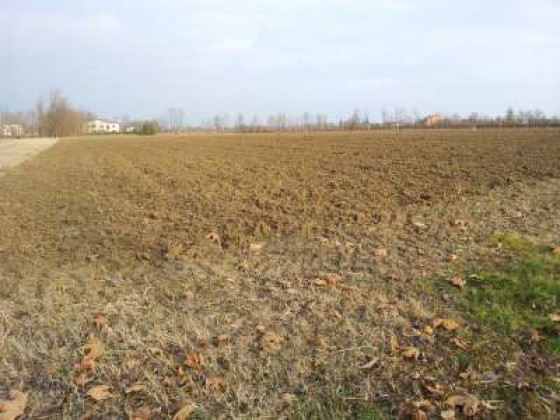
(360, 120)
(56, 117)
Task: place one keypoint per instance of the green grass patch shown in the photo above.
(336, 404)
(518, 296)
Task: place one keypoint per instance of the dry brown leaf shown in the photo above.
(319, 283)
(195, 360)
(256, 247)
(271, 342)
(214, 237)
(447, 414)
(446, 324)
(458, 282)
(394, 344)
(170, 381)
(93, 351)
(389, 309)
(100, 392)
(14, 407)
(536, 337)
(463, 345)
(289, 399)
(81, 379)
(452, 258)
(370, 364)
(221, 340)
(409, 331)
(185, 412)
(141, 413)
(136, 387)
(469, 403)
(556, 250)
(428, 330)
(215, 383)
(410, 353)
(434, 390)
(333, 279)
(420, 415)
(100, 320)
(242, 266)
(380, 252)
(554, 317)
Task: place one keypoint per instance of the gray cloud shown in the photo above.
(140, 57)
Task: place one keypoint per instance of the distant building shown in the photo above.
(102, 127)
(128, 129)
(433, 120)
(11, 130)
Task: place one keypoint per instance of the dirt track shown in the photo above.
(14, 152)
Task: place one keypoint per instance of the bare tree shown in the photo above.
(174, 119)
(240, 123)
(57, 118)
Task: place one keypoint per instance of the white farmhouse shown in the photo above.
(102, 127)
(11, 130)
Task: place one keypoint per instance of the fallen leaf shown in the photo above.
(185, 412)
(170, 381)
(370, 364)
(452, 257)
(420, 415)
(272, 342)
(136, 387)
(319, 283)
(333, 279)
(554, 317)
(458, 282)
(394, 344)
(556, 250)
(93, 351)
(195, 360)
(428, 330)
(242, 266)
(389, 309)
(100, 392)
(447, 414)
(221, 340)
(142, 413)
(256, 247)
(463, 345)
(434, 390)
(100, 320)
(214, 237)
(410, 331)
(446, 324)
(215, 383)
(410, 353)
(469, 403)
(536, 337)
(14, 407)
(289, 399)
(380, 252)
(81, 379)
(419, 225)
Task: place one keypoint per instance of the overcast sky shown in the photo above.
(140, 57)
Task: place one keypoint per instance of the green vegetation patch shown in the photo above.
(519, 296)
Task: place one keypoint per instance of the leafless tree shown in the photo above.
(56, 117)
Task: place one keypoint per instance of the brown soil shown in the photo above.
(293, 265)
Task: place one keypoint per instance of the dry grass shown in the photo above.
(270, 275)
